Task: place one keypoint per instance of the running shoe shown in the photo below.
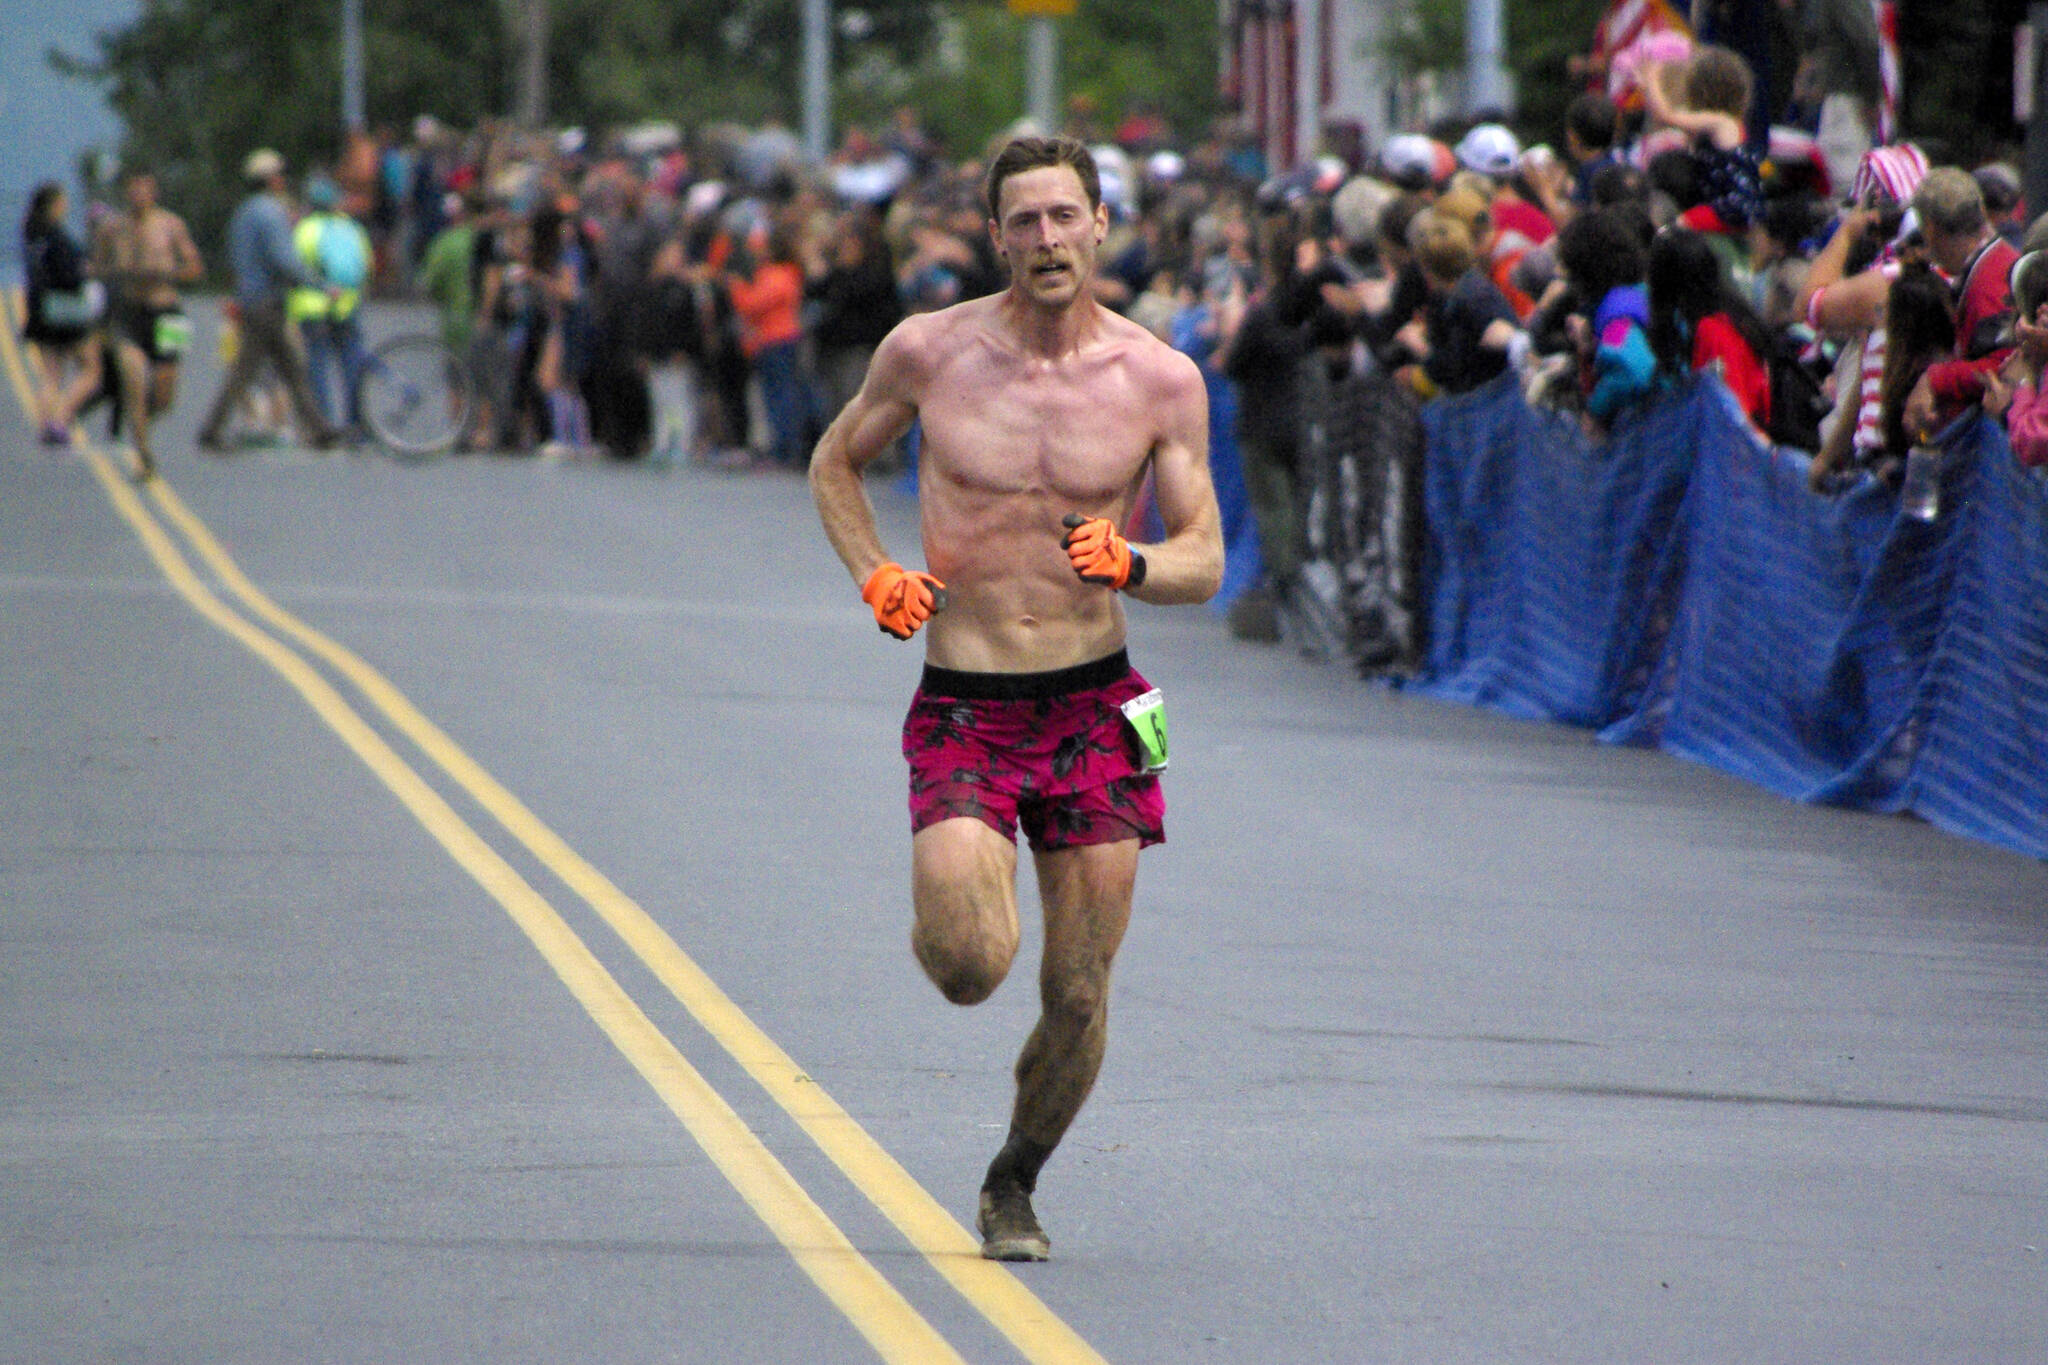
(1009, 1230)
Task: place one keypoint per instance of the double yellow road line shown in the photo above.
(874, 1306)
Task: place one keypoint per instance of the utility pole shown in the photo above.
(2036, 187)
(532, 109)
(1042, 78)
(1042, 59)
(1308, 82)
(1486, 81)
(817, 79)
(353, 118)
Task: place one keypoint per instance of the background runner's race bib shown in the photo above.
(173, 335)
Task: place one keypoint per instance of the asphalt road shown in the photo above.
(1436, 1036)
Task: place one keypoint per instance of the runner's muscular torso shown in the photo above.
(1011, 443)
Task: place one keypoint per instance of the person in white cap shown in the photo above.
(1489, 149)
(1411, 161)
(266, 267)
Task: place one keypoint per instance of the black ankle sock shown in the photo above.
(1017, 1164)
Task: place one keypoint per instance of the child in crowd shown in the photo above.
(1779, 258)
(1589, 126)
(1716, 90)
(1698, 322)
(1466, 322)
(1601, 254)
(1469, 198)
(2014, 392)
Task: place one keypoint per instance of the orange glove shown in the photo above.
(1099, 554)
(903, 599)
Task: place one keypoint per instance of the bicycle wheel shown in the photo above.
(415, 396)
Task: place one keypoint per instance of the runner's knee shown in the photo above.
(966, 968)
(1073, 999)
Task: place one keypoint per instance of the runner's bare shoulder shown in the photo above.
(922, 345)
(1168, 375)
(911, 352)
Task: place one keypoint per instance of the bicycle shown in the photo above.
(416, 396)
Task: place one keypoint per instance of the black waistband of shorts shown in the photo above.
(1059, 682)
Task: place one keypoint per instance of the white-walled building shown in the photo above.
(1314, 75)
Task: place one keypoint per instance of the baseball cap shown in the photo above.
(262, 164)
(1410, 161)
(1489, 149)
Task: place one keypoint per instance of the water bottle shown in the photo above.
(1920, 494)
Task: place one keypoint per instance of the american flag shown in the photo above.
(1628, 20)
(1888, 69)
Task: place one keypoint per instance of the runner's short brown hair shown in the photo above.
(1035, 153)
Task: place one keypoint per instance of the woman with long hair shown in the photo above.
(561, 270)
(1699, 322)
(1920, 327)
(62, 317)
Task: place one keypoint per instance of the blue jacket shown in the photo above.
(260, 253)
(1624, 367)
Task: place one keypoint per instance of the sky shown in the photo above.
(46, 120)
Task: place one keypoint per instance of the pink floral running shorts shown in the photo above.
(1048, 751)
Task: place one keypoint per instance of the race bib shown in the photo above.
(1146, 715)
(173, 335)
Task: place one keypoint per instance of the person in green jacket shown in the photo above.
(448, 272)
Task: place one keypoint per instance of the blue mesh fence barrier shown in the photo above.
(1226, 469)
(1678, 586)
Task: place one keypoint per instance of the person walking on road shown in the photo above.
(266, 267)
(335, 247)
(142, 255)
(1042, 413)
(62, 314)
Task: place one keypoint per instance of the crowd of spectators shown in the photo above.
(712, 297)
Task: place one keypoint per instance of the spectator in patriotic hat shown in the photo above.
(1845, 294)
(1888, 175)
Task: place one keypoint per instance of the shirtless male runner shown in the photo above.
(1041, 411)
(143, 255)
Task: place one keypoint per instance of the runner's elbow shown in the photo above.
(1212, 576)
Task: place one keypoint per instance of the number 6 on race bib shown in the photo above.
(1146, 715)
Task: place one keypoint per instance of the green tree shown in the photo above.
(970, 86)
(1541, 35)
(198, 84)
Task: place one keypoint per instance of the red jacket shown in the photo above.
(1983, 303)
(769, 306)
(1718, 340)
